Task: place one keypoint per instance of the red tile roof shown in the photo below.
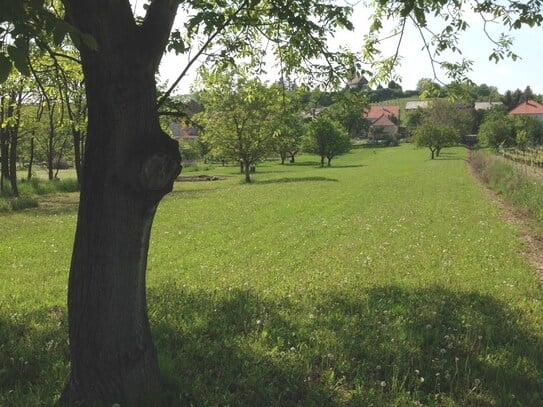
(377, 111)
(528, 107)
(383, 121)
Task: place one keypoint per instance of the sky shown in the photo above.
(415, 64)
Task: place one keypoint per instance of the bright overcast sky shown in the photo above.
(415, 63)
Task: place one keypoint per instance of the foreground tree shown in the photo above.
(326, 138)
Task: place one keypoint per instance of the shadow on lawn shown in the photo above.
(34, 356)
(447, 156)
(383, 346)
(294, 179)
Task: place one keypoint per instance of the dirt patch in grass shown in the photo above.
(531, 233)
(192, 178)
(67, 201)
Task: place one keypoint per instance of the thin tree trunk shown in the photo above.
(322, 161)
(292, 155)
(247, 168)
(77, 155)
(13, 162)
(50, 148)
(31, 160)
(4, 152)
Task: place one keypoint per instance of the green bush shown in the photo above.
(23, 202)
(522, 190)
(40, 187)
(4, 205)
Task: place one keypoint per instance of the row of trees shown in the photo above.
(42, 115)
(499, 129)
(245, 121)
(442, 124)
(446, 123)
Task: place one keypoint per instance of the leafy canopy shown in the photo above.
(237, 116)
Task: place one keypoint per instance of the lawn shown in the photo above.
(388, 279)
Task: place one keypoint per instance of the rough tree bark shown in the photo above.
(129, 165)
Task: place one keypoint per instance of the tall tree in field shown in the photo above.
(326, 138)
(347, 110)
(449, 114)
(13, 93)
(435, 136)
(130, 163)
(288, 127)
(237, 117)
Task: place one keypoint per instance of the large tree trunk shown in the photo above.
(130, 164)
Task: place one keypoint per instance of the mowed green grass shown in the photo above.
(387, 279)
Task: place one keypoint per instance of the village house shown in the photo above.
(529, 108)
(384, 120)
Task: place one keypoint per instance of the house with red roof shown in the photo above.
(529, 108)
(383, 119)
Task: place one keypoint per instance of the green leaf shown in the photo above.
(5, 67)
(60, 29)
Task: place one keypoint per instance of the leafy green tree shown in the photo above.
(52, 110)
(13, 92)
(288, 130)
(287, 124)
(531, 129)
(435, 136)
(326, 138)
(414, 118)
(497, 130)
(237, 117)
(347, 110)
(450, 113)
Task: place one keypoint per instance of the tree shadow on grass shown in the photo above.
(304, 164)
(347, 166)
(295, 179)
(385, 345)
(34, 356)
(450, 156)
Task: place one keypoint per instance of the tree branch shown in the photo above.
(202, 49)
(156, 27)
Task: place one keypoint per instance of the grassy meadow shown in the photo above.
(388, 280)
